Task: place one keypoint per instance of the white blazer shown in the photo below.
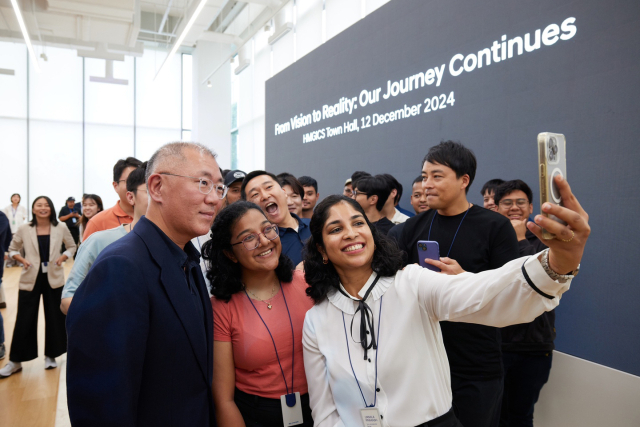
(26, 237)
(16, 220)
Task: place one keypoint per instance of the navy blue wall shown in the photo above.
(587, 87)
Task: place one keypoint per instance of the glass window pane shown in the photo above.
(55, 160)
(13, 56)
(55, 93)
(187, 91)
(104, 146)
(158, 101)
(186, 135)
(106, 102)
(148, 140)
(13, 160)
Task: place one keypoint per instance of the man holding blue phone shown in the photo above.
(474, 239)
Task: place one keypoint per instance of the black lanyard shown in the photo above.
(274, 342)
(365, 320)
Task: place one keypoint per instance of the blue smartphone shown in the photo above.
(428, 249)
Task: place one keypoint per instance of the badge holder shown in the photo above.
(291, 409)
(370, 417)
(44, 267)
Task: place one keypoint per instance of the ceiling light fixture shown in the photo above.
(25, 34)
(184, 33)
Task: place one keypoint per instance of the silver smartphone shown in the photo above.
(552, 161)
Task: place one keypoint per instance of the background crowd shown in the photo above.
(247, 240)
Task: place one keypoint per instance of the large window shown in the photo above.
(61, 133)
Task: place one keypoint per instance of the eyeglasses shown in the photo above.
(252, 241)
(356, 192)
(507, 203)
(205, 186)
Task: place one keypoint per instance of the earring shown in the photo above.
(325, 261)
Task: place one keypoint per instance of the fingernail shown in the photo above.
(538, 218)
(546, 207)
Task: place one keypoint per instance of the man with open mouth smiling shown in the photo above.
(263, 189)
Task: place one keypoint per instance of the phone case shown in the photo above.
(428, 249)
(552, 161)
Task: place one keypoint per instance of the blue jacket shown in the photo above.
(138, 352)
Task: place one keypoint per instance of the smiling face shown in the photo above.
(15, 199)
(419, 198)
(267, 193)
(89, 207)
(348, 242)
(41, 209)
(514, 211)
(442, 186)
(185, 210)
(294, 201)
(263, 258)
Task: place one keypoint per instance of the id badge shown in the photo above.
(291, 409)
(74, 220)
(44, 267)
(370, 417)
(13, 222)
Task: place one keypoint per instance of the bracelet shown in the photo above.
(552, 274)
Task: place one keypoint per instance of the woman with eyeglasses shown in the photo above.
(259, 305)
(373, 348)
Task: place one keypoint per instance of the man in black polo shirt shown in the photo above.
(478, 239)
(372, 192)
(70, 215)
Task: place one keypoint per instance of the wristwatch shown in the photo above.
(552, 274)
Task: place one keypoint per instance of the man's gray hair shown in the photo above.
(173, 152)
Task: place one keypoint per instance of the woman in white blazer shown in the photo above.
(43, 274)
(17, 216)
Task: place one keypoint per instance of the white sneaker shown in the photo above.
(10, 368)
(50, 363)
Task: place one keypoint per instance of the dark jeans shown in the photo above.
(24, 345)
(525, 374)
(262, 412)
(477, 402)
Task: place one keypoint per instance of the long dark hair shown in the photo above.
(84, 220)
(52, 214)
(323, 278)
(225, 275)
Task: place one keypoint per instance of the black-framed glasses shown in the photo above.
(252, 240)
(205, 185)
(356, 192)
(507, 203)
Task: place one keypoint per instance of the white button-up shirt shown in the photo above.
(413, 371)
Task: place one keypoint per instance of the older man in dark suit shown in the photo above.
(141, 328)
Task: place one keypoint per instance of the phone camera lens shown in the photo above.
(552, 149)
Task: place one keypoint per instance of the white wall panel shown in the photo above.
(158, 101)
(109, 103)
(148, 140)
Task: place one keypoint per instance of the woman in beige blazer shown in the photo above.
(43, 274)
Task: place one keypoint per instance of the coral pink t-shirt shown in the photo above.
(257, 369)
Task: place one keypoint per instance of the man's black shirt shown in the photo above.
(383, 225)
(486, 240)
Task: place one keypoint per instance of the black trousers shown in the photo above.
(477, 402)
(24, 345)
(262, 412)
(447, 420)
(525, 374)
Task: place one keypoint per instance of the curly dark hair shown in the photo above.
(323, 278)
(225, 275)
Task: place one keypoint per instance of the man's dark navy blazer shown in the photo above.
(140, 353)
